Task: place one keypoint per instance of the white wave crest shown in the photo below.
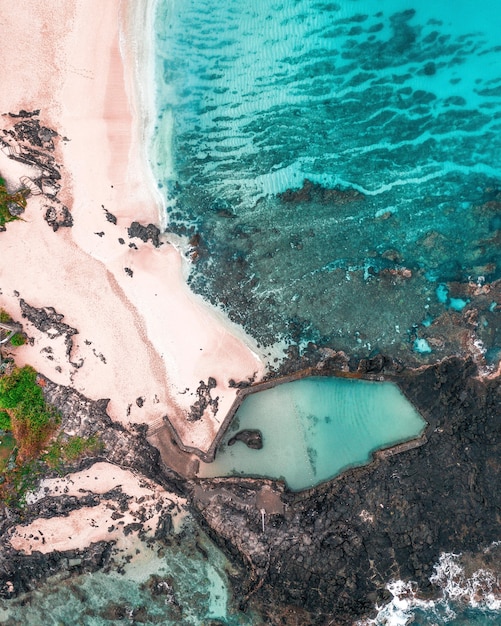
(480, 590)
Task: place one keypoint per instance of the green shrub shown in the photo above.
(18, 339)
(20, 388)
(5, 423)
(71, 449)
(33, 421)
(76, 447)
(5, 317)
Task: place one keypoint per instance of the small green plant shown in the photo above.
(67, 450)
(18, 340)
(5, 317)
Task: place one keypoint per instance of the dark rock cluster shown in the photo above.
(58, 216)
(334, 548)
(49, 321)
(252, 439)
(20, 572)
(145, 233)
(204, 401)
(33, 144)
(313, 192)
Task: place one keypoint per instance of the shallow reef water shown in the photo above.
(182, 581)
(333, 161)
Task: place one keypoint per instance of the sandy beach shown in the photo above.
(106, 521)
(144, 340)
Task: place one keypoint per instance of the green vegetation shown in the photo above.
(69, 449)
(18, 340)
(33, 421)
(17, 199)
(31, 445)
(7, 445)
(5, 421)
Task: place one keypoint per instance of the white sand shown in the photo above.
(142, 336)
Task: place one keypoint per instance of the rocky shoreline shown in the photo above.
(326, 553)
(331, 552)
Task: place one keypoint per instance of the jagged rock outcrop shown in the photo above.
(334, 547)
(145, 233)
(20, 572)
(49, 321)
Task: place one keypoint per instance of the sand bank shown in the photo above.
(144, 340)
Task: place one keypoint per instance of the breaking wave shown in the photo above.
(462, 597)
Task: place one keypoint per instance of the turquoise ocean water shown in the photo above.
(390, 109)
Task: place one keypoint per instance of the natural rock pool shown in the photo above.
(313, 429)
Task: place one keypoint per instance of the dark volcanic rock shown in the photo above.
(21, 572)
(205, 400)
(121, 447)
(252, 439)
(336, 546)
(145, 233)
(58, 216)
(49, 321)
(109, 216)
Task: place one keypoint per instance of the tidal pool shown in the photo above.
(314, 428)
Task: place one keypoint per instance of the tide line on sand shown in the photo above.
(141, 333)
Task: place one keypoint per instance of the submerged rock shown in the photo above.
(313, 192)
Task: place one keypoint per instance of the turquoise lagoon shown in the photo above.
(315, 428)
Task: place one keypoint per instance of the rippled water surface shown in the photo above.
(390, 111)
(314, 428)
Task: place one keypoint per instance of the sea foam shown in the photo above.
(475, 598)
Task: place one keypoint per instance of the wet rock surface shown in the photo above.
(336, 546)
(314, 192)
(251, 438)
(20, 573)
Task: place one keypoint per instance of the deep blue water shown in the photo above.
(392, 109)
